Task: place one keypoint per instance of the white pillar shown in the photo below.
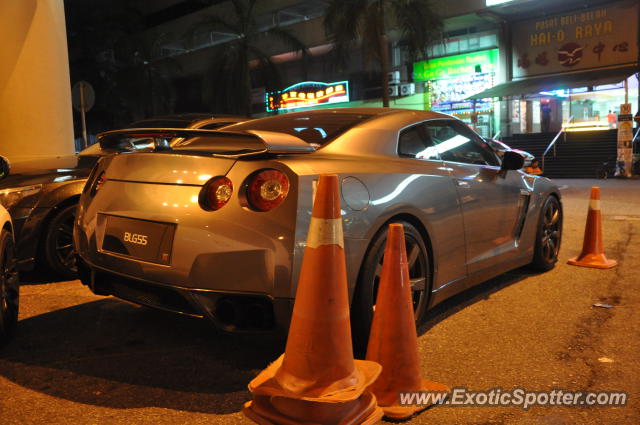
(35, 94)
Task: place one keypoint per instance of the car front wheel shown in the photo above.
(9, 288)
(548, 236)
(364, 298)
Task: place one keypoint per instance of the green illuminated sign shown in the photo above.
(454, 66)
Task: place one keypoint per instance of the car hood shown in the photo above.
(48, 170)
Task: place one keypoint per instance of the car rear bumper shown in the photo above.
(227, 311)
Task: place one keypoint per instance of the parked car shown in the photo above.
(501, 148)
(42, 196)
(216, 228)
(9, 281)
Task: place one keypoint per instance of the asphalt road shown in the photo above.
(83, 359)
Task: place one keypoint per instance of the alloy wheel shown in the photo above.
(418, 274)
(63, 242)
(551, 232)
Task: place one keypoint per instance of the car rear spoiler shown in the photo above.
(173, 139)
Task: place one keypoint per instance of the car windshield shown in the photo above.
(314, 128)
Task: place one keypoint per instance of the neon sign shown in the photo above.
(308, 94)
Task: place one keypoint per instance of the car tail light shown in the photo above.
(266, 189)
(215, 193)
(97, 185)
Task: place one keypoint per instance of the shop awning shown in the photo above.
(559, 81)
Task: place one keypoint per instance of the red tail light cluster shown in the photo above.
(216, 193)
(266, 189)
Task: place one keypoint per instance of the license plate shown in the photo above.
(139, 239)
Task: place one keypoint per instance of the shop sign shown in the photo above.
(458, 88)
(625, 135)
(485, 61)
(586, 39)
(308, 94)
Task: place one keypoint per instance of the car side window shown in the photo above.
(415, 142)
(456, 143)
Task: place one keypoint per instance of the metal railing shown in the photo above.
(553, 142)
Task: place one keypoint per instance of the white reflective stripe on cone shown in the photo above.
(594, 204)
(325, 231)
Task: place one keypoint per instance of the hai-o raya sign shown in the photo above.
(308, 94)
(585, 39)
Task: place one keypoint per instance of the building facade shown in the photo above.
(503, 66)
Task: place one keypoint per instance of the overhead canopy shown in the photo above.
(556, 82)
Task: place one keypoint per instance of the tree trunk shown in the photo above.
(384, 65)
(246, 80)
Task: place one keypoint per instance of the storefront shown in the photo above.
(449, 81)
(577, 66)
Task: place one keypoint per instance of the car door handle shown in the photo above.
(462, 183)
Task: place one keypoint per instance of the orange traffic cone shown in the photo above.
(393, 341)
(592, 254)
(317, 380)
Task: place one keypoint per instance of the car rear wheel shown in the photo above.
(9, 288)
(549, 235)
(58, 251)
(366, 291)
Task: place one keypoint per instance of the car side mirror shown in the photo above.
(5, 166)
(512, 161)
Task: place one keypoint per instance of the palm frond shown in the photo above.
(419, 25)
(239, 9)
(212, 23)
(289, 40)
(343, 24)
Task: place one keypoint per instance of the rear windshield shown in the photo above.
(316, 129)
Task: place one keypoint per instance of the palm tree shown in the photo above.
(370, 22)
(230, 75)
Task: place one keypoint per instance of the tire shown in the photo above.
(57, 250)
(363, 303)
(548, 235)
(9, 288)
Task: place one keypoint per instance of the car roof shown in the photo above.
(370, 111)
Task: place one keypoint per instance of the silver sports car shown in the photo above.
(216, 225)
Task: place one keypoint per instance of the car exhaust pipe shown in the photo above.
(244, 314)
(257, 315)
(227, 312)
